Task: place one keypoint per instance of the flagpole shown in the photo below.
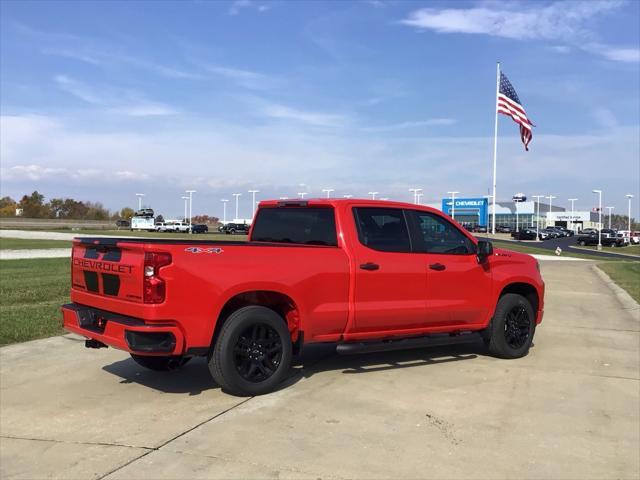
(495, 150)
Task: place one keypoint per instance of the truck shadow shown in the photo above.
(194, 378)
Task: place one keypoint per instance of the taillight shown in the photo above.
(154, 286)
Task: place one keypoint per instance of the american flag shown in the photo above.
(509, 104)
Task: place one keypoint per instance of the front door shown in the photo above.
(458, 287)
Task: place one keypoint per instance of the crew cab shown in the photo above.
(367, 275)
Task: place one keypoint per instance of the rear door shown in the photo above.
(390, 279)
(458, 287)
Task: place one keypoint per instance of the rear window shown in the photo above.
(305, 226)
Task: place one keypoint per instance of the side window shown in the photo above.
(437, 235)
(383, 229)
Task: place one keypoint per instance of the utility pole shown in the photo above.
(599, 192)
(328, 191)
(609, 208)
(185, 208)
(224, 210)
(538, 197)
(190, 192)
(550, 197)
(373, 195)
(253, 203)
(139, 195)
(629, 197)
(415, 194)
(453, 204)
(237, 195)
(573, 221)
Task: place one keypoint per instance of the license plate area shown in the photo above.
(92, 320)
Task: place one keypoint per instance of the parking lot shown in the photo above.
(570, 409)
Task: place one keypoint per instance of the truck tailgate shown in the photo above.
(107, 269)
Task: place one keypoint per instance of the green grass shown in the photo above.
(29, 244)
(626, 275)
(628, 250)
(31, 292)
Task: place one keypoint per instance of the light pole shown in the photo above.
(537, 197)
(253, 202)
(599, 192)
(550, 197)
(185, 207)
(302, 194)
(573, 221)
(420, 195)
(373, 195)
(328, 191)
(453, 204)
(629, 196)
(139, 195)
(190, 192)
(415, 193)
(237, 195)
(609, 208)
(224, 211)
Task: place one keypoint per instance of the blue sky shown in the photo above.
(100, 100)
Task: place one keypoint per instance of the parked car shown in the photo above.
(199, 228)
(524, 234)
(591, 238)
(504, 229)
(234, 228)
(479, 229)
(247, 307)
(622, 238)
(635, 238)
(161, 227)
(145, 212)
(550, 232)
(565, 231)
(588, 231)
(175, 226)
(122, 223)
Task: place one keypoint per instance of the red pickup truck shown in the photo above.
(367, 275)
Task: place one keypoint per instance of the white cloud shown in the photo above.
(318, 119)
(113, 100)
(245, 78)
(432, 122)
(238, 5)
(560, 20)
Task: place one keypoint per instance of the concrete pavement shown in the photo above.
(568, 410)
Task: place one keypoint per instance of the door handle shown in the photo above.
(370, 266)
(437, 266)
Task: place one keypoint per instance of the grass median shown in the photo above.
(626, 275)
(31, 292)
(31, 244)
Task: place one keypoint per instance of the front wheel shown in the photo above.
(582, 243)
(161, 363)
(512, 327)
(252, 354)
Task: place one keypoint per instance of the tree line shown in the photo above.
(35, 206)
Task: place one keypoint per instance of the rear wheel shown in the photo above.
(512, 327)
(582, 243)
(252, 354)
(162, 363)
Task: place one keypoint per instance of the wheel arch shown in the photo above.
(279, 302)
(527, 290)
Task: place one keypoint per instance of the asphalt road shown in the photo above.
(570, 409)
(566, 244)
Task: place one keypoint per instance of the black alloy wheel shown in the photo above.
(257, 353)
(517, 327)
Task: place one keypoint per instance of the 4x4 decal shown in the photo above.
(216, 250)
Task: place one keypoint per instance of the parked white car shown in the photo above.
(173, 226)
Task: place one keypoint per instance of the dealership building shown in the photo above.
(478, 211)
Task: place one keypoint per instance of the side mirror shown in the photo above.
(485, 249)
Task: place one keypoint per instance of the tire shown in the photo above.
(240, 362)
(512, 327)
(582, 243)
(160, 364)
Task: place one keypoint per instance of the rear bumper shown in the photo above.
(125, 333)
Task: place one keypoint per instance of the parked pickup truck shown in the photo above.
(367, 275)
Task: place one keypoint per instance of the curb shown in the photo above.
(627, 301)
